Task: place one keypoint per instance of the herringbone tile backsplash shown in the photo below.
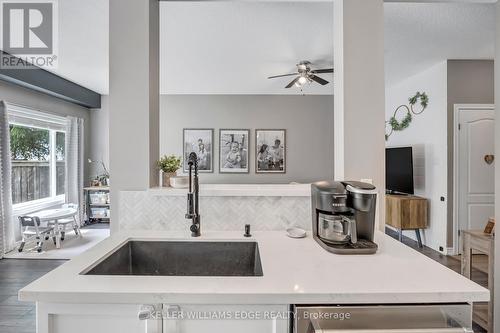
(143, 210)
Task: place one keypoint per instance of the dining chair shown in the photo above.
(64, 223)
(31, 230)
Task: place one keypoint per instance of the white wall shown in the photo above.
(99, 137)
(428, 135)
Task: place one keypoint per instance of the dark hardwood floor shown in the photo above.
(16, 316)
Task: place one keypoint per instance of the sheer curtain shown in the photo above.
(74, 163)
(7, 238)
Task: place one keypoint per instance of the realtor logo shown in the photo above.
(29, 33)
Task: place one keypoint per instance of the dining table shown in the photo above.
(54, 215)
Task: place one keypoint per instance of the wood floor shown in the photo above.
(16, 316)
(19, 317)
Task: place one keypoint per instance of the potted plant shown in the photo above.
(169, 165)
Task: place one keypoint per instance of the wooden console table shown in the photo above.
(406, 212)
(484, 243)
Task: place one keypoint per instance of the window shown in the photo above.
(37, 142)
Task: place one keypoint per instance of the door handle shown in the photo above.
(171, 323)
(145, 311)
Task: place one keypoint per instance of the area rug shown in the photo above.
(70, 247)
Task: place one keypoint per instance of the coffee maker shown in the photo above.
(343, 216)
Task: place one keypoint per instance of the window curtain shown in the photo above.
(7, 238)
(74, 163)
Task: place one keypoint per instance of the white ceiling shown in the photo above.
(83, 43)
(231, 47)
(421, 35)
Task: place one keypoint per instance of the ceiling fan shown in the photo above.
(305, 75)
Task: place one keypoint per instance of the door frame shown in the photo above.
(456, 110)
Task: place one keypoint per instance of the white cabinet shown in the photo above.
(95, 318)
(162, 318)
(184, 318)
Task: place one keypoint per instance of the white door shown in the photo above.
(476, 167)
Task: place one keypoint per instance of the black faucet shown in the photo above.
(193, 212)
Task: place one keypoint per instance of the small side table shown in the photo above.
(406, 212)
(484, 243)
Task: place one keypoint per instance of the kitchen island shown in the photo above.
(295, 271)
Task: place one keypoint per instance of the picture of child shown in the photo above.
(233, 151)
(270, 154)
(200, 142)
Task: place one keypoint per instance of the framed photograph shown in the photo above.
(233, 150)
(270, 154)
(200, 141)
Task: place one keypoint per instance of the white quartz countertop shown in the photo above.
(296, 271)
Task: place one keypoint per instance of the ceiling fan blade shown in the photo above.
(293, 82)
(275, 76)
(319, 71)
(318, 79)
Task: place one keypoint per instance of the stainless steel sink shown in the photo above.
(182, 258)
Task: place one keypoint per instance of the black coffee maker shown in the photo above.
(343, 216)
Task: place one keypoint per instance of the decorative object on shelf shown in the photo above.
(200, 141)
(305, 75)
(233, 151)
(395, 125)
(270, 154)
(179, 182)
(490, 226)
(168, 166)
(100, 179)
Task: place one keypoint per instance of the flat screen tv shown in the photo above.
(399, 170)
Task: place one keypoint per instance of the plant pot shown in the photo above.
(166, 178)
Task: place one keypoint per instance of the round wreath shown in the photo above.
(396, 125)
(424, 101)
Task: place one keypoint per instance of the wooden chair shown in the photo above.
(31, 230)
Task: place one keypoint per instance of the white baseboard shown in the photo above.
(450, 251)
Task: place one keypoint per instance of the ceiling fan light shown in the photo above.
(301, 81)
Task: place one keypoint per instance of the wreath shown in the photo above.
(396, 125)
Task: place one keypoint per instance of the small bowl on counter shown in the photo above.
(179, 181)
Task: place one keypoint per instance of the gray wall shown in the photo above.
(469, 82)
(307, 119)
(29, 98)
(133, 97)
(99, 137)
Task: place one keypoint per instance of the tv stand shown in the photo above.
(387, 192)
(406, 212)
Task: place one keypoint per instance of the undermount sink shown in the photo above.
(182, 258)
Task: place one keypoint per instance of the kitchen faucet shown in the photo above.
(193, 212)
